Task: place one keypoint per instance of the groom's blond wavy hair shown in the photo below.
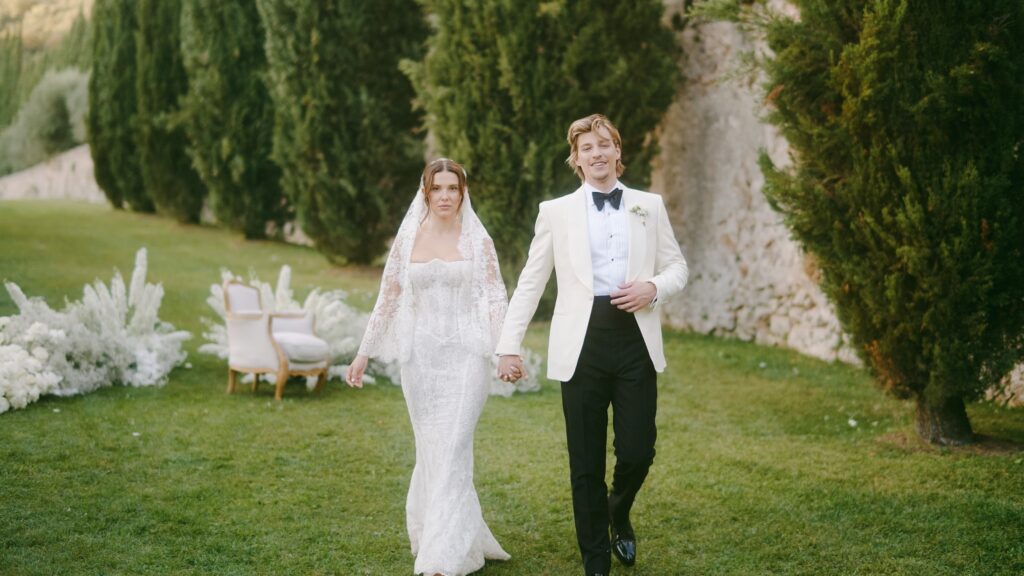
(590, 124)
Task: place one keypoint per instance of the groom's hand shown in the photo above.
(633, 296)
(510, 368)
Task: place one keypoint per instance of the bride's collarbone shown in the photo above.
(427, 249)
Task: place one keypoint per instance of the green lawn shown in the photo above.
(758, 469)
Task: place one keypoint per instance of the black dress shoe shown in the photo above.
(624, 546)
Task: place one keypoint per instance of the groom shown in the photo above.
(615, 257)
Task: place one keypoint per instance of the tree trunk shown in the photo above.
(945, 423)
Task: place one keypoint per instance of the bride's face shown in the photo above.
(444, 196)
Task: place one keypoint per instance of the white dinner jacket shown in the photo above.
(561, 241)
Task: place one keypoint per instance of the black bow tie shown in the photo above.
(614, 198)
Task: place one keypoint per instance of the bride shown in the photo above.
(439, 313)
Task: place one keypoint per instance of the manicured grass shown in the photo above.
(758, 470)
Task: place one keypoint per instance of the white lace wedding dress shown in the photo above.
(440, 321)
(445, 384)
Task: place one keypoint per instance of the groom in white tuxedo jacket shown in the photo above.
(615, 259)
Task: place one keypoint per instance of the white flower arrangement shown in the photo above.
(24, 376)
(112, 335)
(340, 325)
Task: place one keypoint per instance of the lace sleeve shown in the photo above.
(497, 297)
(378, 340)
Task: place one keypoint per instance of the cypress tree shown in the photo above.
(160, 83)
(112, 106)
(344, 126)
(99, 112)
(503, 80)
(75, 48)
(907, 121)
(229, 115)
(11, 49)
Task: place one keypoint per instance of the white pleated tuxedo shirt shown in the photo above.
(609, 242)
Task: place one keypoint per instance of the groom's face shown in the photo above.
(597, 155)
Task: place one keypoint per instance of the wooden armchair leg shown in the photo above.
(255, 380)
(231, 380)
(320, 381)
(282, 377)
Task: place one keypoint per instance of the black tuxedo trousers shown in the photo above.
(614, 369)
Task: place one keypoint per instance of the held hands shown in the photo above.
(355, 371)
(633, 296)
(511, 369)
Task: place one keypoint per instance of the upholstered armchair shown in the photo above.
(280, 343)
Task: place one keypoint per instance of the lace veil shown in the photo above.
(389, 332)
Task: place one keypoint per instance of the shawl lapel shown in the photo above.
(637, 233)
(579, 237)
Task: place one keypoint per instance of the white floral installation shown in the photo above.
(641, 212)
(113, 335)
(340, 325)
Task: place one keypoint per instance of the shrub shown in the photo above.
(51, 121)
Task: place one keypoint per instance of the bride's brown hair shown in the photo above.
(434, 168)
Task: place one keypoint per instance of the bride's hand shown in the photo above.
(511, 369)
(355, 371)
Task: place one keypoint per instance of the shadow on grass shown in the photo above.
(984, 445)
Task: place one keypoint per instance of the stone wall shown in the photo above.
(748, 278)
(66, 176)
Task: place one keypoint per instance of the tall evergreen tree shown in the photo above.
(74, 50)
(229, 117)
(907, 124)
(11, 50)
(503, 80)
(112, 105)
(160, 83)
(345, 129)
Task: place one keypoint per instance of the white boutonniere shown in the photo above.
(641, 212)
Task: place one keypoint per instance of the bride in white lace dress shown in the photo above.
(439, 314)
